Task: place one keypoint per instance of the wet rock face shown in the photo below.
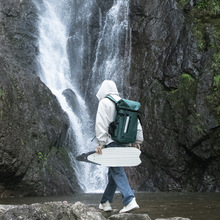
(73, 102)
(34, 160)
(174, 74)
(18, 25)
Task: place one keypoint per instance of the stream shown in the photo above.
(195, 206)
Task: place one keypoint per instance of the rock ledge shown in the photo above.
(65, 211)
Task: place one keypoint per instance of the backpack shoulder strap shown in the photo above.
(111, 98)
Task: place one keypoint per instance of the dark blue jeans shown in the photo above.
(117, 179)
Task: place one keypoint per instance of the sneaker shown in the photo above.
(105, 206)
(132, 205)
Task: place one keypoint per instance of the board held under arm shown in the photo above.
(113, 157)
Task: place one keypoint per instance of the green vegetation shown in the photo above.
(182, 3)
(187, 83)
(205, 15)
(206, 31)
(186, 90)
(213, 101)
(183, 104)
(198, 33)
(213, 98)
(211, 7)
(187, 86)
(186, 78)
(41, 157)
(216, 63)
(22, 142)
(2, 94)
(198, 122)
(198, 128)
(216, 82)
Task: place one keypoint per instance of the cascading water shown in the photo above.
(113, 49)
(63, 76)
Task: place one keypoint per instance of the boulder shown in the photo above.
(174, 218)
(50, 211)
(73, 102)
(62, 211)
(129, 216)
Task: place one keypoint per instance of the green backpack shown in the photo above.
(124, 127)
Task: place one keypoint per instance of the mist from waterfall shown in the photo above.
(62, 77)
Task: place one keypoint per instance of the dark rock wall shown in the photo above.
(175, 47)
(18, 19)
(33, 158)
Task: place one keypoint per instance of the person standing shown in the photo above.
(116, 175)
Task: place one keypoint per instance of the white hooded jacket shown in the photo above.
(106, 111)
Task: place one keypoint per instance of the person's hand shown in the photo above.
(98, 149)
(138, 146)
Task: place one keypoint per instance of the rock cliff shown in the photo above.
(34, 159)
(175, 74)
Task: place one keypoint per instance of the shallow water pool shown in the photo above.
(196, 206)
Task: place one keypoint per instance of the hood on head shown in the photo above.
(108, 87)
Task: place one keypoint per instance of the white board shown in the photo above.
(117, 157)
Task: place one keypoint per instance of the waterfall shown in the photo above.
(113, 53)
(113, 49)
(64, 44)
